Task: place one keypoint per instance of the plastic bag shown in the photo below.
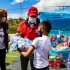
(18, 42)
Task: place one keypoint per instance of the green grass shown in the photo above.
(12, 28)
(11, 56)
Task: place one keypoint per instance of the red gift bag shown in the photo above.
(57, 63)
(51, 63)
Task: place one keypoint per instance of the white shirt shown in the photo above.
(2, 44)
(41, 52)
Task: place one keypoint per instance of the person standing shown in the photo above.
(28, 29)
(3, 38)
(41, 47)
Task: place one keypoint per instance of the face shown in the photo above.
(32, 19)
(2, 19)
(40, 30)
(40, 27)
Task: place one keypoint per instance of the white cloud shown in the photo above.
(44, 5)
(17, 16)
(14, 16)
(17, 1)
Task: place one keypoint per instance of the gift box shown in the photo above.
(55, 62)
(51, 64)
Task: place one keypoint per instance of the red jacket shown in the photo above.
(27, 32)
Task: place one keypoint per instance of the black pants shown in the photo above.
(46, 68)
(2, 59)
(31, 61)
(24, 62)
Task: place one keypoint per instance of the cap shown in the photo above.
(33, 11)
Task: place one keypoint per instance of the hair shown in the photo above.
(47, 25)
(3, 13)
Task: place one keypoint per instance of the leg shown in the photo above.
(31, 61)
(24, 62)
(2, 59)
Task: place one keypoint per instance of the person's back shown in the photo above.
(41, 52)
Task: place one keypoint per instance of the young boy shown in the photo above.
(41, 47)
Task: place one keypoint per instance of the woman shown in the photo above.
(3, 38)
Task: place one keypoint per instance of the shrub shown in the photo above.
(12, 28)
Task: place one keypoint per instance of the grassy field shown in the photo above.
(11, 56)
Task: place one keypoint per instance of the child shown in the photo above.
(41, 47)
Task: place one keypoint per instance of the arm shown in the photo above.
(19, 31)
(31, 48)
(28, 52)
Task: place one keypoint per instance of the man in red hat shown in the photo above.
(28, 29)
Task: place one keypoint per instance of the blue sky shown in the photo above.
(14, 6)
(14, 10)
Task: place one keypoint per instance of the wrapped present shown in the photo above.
(18, 42)
(54, 62)
(57, 63)
(51, 63)
(57, 57)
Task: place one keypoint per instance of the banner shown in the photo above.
(59, 20)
